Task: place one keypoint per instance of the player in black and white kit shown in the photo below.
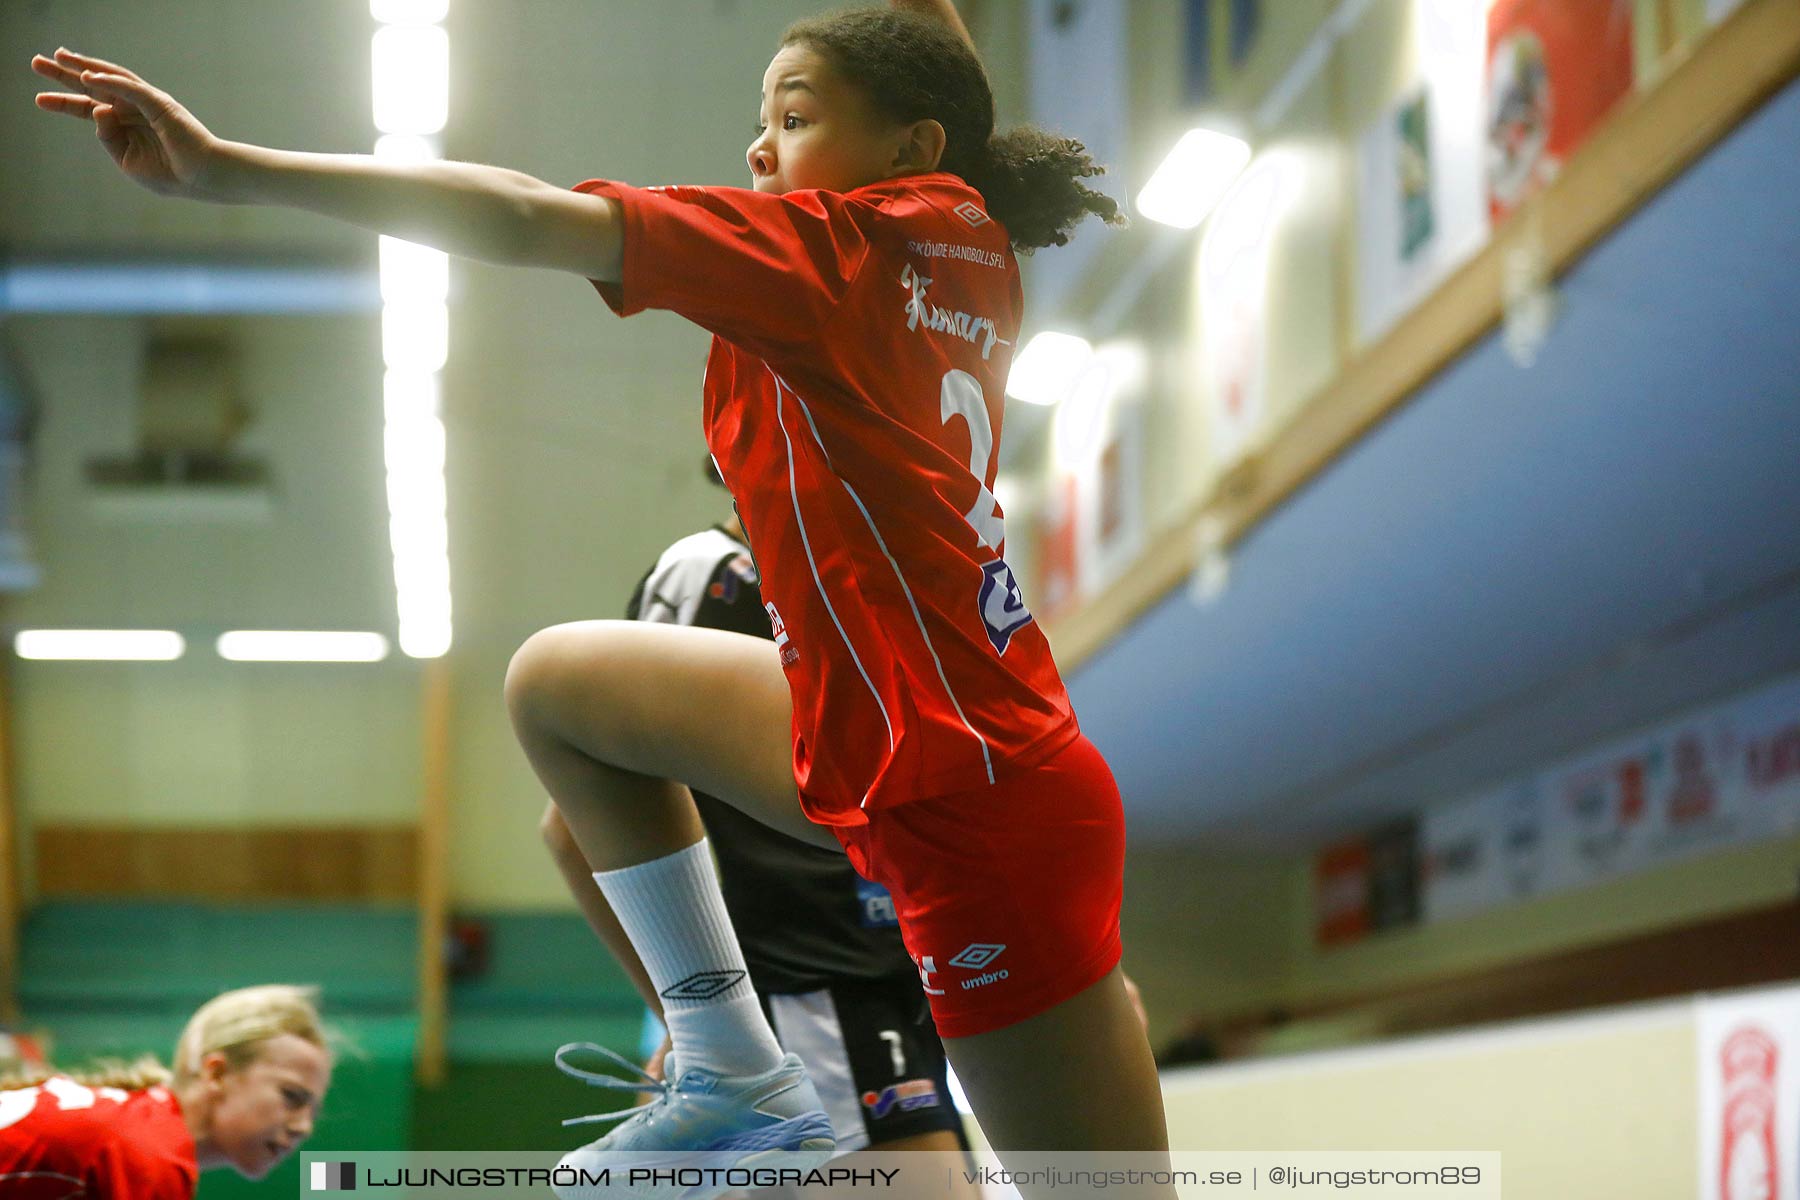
(822, 944)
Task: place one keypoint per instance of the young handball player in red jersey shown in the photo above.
(864, 302)
(251, 1068)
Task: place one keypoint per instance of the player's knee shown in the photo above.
(531, 675)
(560, 687)
(554, 830)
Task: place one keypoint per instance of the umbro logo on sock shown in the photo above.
(702, 985)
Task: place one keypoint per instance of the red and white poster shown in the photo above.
(1341, 893)
(1749, 1107)
(1234, 302)
(1555, 68)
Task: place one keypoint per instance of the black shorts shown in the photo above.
(874, 1057)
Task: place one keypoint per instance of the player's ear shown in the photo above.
(921, 148)
(214, 1067)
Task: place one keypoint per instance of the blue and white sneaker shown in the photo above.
(703, 1119)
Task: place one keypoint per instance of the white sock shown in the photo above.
(673, 913)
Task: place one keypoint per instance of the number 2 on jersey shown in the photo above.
(961, 396)
(999, 603)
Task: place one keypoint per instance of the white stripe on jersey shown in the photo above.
(986, 758)
(805, 542)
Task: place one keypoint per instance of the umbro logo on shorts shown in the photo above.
(977, 955)
(971, 212)
(702, 985)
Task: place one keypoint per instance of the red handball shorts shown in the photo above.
(1008, 896)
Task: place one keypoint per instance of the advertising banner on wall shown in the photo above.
(1722, 777)
(1058, 556)
(1749, 1107)
(1555, 68)
(1421, 194)
(1234, 304)
(1367, 884)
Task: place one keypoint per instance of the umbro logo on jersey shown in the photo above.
(971, 212)
(1001, 603)
(702, 985)
(977, 955)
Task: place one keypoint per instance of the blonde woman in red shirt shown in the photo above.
(251, 1069)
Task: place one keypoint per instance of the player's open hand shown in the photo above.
(155, 141)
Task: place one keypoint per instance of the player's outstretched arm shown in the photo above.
(488, 213)
(943, 10)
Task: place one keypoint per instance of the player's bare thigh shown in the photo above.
(699, 706)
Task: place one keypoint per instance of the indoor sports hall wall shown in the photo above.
(1603, 1105)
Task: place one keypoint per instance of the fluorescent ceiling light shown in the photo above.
(409, 12)
(411, 272)
(1048, 367)
(1193, 178)
(415, 336)
(425, 638)
(278, 645)
(114, 645)
(405, 147)
(411, 68)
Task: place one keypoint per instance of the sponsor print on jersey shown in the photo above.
(961, 250)
(922, 312)
(875, 905)
(903, 1097)
(1002, 605)
(927, 968)
(738, 572)
(789, 655)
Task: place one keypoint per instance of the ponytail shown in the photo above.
(135, 1076)
(1031, 181)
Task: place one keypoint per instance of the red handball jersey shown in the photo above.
(854, 394)
(63, 1141)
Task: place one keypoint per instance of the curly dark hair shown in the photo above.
(915, 68)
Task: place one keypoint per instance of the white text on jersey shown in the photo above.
(964, 325)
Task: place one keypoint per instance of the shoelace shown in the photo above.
(645, 1082)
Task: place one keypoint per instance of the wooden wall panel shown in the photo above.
(353, 863)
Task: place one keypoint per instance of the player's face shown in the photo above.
(265, 1109)
(817, 130)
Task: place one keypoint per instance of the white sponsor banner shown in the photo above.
(1721, 777)
(1421, 193)
(1749, 1108)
